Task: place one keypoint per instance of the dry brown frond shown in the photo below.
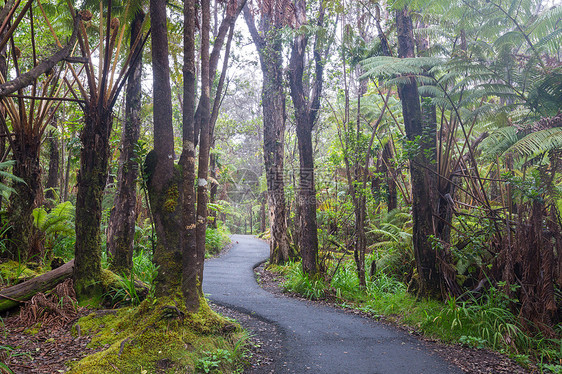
(55, 309)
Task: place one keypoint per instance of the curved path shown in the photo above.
(316, 338)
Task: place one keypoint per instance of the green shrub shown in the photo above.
(310, 287)
(216, 239)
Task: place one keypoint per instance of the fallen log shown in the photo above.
(13, 296)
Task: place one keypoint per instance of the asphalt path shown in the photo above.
(316, 338)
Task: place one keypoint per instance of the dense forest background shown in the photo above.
(406, 148)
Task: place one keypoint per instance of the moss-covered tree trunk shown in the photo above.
(121, 226)
(92, 176)
(164, 179)
(26, 149)
(390, 176)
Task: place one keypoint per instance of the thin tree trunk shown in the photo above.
(214, 188)
(4, 72)
(121, 226)
(204, 138)
(190, 272)
(387, 156)
(420, 167)
(54, 162)
(269, 46)
(305, 114)
(262, 212)
(66, 179)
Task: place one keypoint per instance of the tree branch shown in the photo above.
(26, 79)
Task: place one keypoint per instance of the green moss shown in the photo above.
(157, 336)
(34, 329)
(172, 196)
(109, 279)
(13, 272)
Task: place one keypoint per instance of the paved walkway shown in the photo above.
(317, 339)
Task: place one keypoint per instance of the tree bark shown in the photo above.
(4, 71)
(163, 179)
(269, 46)
(420, 167)
(263, 200)
(187, 162)
(54, 166)
(388, 169)
(204, 139)
(26, 149)
(94, 157)
(306, 111)
(214, 187)
(121, 226)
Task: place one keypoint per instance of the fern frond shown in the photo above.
(510, 38)
(537, 143)
(499, 141)
(390, 66)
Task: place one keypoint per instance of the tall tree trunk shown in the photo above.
(121, 226)
(269, 46)
(54, 166)
(164, 180)
(190, 271)
(305, 113)
(359, 196)
(66, 171)
(26, 150)
(420, 167)
(4, 72)
(263, 200)
(388, 168)
(92, 176)
(214, 187)
(204, 137)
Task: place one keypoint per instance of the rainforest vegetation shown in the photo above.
(403, 158)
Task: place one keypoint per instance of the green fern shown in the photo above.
(59, 221)
(537, 143)
(6, 190)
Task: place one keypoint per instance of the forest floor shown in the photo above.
(47, 348)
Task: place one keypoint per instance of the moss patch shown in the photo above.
(12, 272)
(172, 196)
(158, 336)
(34, 329)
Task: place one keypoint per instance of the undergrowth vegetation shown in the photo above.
(160, 336)
(476, 320)
(216, 239)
